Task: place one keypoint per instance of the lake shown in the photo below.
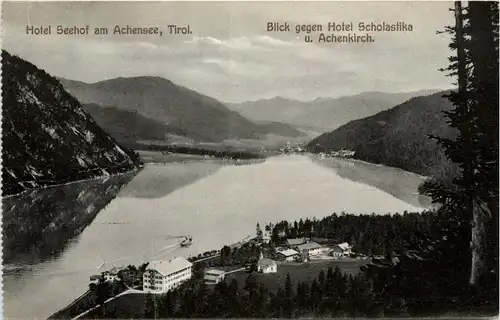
(55, 238)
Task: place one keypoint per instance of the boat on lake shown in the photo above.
(187, 241)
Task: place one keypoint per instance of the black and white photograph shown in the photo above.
(249, 159)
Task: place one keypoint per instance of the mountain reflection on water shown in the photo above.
(37, 225)
(160, 180)
(398, 183)
(56, 238)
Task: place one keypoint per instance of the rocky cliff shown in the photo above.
(47, 137)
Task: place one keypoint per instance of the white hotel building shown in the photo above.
(162, 276)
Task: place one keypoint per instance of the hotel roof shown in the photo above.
(294, 242)
(288, 252)
(214, 272)
(114, 270)
(343, 246)
(264, 262)
(309, 246)
(169, 267)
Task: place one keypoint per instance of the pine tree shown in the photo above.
(483, 20)
(473, 196)
(149, 307)
(103, 291)
(259, 232)
(288, 286)
(251, 283)
(289, 296)
(321, 278)
(233, 287)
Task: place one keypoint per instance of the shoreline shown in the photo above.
(370, 163)
(71, 182)
(202, 258)
(198, 150)
(248, 156)
(157, 158)
(238, 241)
(201, 157)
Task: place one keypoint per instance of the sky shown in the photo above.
(230, 55)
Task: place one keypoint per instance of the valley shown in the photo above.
(206, 160)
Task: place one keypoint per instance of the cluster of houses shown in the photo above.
(288, 148)
(339, 154)
(161, 276)
(110, 275)
(302, 250)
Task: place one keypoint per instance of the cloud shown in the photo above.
(243, 43)
(233, 58)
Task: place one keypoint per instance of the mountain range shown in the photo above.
(143, 101)
(322, 114)
(42, 114)
(398, 137)
(47, 137)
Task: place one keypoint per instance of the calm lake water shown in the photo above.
(56, 238)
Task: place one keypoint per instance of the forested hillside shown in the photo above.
(397, 137)
(129, 126)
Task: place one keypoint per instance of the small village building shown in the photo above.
(95, 279)
(293, 243)
(266, 265)
(161, 276)
(341, 250)
(288, 255)
(311, 248)
(214, 276)
(111, 275)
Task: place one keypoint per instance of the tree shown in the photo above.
(233, 287)
(225, 255)
(149, 307)
(103, 291)
(289, 296)
(251, 283)
(288, 286)
(483, 21)
(473, 194)
(321, 277)
(259, 232)
(268, 228)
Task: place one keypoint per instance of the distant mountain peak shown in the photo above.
(140, 80)
(275, 99)
(281, 98)
(165, 102)
(323, 113)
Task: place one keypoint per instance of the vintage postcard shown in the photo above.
(249, 159)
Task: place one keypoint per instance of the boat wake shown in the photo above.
(166, 251)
